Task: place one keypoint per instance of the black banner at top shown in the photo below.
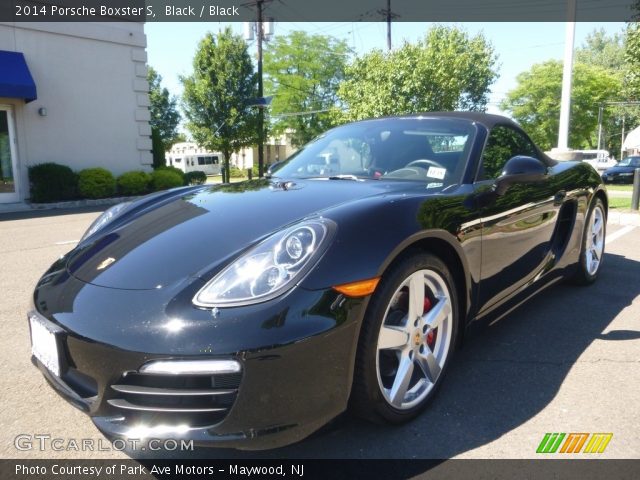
(319, 11)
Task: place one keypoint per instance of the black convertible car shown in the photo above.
(251, 314)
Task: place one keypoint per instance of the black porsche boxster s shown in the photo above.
(250, 314)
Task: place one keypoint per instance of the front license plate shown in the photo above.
(44, 345)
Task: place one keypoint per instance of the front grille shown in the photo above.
(195, 400)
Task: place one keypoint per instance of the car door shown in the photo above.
(517, 226)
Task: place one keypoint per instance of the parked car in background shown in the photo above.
(622, 172)
(598, 159)
(347, 279)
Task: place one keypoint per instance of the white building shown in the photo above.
(74, 94)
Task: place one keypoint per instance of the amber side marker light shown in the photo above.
(361, 288)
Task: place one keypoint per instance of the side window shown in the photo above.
(503, 143)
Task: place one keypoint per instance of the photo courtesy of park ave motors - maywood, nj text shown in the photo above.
(239, 237)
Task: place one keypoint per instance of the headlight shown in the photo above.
(104, 219)
(626, 174)
(269, 268)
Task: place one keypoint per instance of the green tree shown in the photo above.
(632, 61)
(165, 117)
(303, 73)
(448, 70)
(602, 50)
(217, 95)
(158, 149)
(535, 102)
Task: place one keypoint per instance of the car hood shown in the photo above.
(195, 233)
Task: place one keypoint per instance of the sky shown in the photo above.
(171, 46)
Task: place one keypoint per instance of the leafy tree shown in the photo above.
(632, 73)
(217, 95)
(608, 52)
(535, 102)
(632, 61)
(602, 50)
(165, 117)
(303, 73)
(448, 70)
(157, 149)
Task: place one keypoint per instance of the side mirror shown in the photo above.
(520, 169)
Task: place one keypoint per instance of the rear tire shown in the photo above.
(406, 341)
(593, 243)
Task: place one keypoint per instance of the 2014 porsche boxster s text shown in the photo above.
(250, 314)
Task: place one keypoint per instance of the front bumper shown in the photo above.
(286, 390)
(617, 178)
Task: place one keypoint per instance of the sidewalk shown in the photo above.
(624, 218)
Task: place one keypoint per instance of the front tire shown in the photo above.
(593, 243)
(406, 341)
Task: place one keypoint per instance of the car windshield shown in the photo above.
(630, 162)
(429, 150)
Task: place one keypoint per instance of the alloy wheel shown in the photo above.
(595, 241)
(414, 339)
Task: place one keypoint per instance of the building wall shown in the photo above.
(91, 79)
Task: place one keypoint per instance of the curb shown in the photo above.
(26, 207)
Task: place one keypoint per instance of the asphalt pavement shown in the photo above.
(567, 361)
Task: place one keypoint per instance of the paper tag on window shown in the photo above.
(435, 172)
(434, 185)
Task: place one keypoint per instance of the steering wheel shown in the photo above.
(424, 163)
(406, 172)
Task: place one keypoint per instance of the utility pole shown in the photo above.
(389, 25)
(388, 15)
(600, 108)
(601, 115)
(622, 138)
(259, 34)
(262, 34)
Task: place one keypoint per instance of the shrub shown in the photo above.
(175, 170)
(163, 178)
(134, 183)
(195, 178)
(235, 172)
(51, 182)
(96, 183)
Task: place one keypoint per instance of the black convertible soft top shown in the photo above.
(486, 119)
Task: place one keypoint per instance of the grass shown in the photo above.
(214, 179)
(620, 202)
(620, 188)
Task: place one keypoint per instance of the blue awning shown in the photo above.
(15, 79)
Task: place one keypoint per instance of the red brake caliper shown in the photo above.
(430, 338)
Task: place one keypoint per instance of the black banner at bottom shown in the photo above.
(583, 469)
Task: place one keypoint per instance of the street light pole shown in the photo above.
(567, 74)
(600, 108)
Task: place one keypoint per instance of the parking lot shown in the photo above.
(568, 361)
